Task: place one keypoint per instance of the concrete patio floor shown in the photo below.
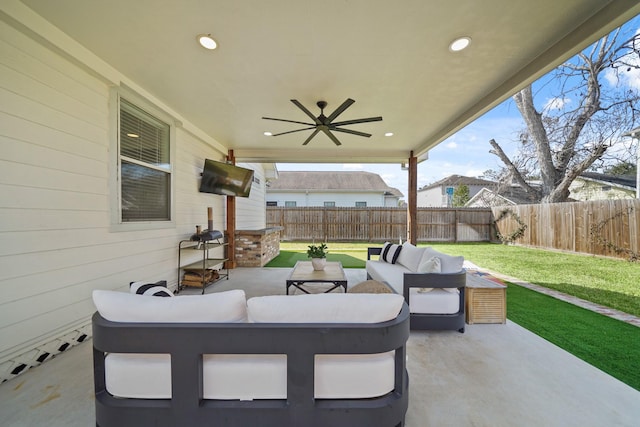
(492, 375)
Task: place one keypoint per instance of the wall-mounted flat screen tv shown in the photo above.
(225, 179)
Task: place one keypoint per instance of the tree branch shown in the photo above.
(497, 150)
(561, 192)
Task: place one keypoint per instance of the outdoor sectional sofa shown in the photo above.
(432, 283)
(218, 360)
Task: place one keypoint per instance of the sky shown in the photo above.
(467, 151)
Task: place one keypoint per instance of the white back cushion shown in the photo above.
(410, 256)
(324, 308)
(229, 306)
(448, 263)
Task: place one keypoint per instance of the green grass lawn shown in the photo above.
(608, 344)
(288, 258)
(352, 255)
(609, 282)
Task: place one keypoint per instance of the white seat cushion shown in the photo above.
(248, 377)
(393, 274)
(437, 301)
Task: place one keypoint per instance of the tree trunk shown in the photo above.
(533, 120)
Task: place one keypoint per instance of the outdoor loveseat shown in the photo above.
(432, 283)
(309, 360)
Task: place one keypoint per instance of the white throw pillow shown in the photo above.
(324, 308)
(448, 263)
(410, 256)
(431, 265)
(390, 253)
(229, 306)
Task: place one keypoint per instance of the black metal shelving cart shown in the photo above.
(207, 270)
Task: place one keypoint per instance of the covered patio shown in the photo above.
(67, 65)
(492, 375)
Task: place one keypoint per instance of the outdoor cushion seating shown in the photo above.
(432, 283)
(217, 359)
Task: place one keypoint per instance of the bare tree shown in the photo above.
(597, 100)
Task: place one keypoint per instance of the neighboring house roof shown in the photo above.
(627, 182)
(455, 180)
(518, 195)
(332, 181)
(487, 198)
(513, 195)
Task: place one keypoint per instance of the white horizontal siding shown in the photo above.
(250, 211)
(191, 205)
(432, 197)
(56, 240)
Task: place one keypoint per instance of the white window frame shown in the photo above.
(116, 94)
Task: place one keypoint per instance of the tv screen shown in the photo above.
(225, 179)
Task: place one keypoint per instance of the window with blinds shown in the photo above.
(145, 167)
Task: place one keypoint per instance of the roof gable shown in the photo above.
(455, 180)
(332, 181)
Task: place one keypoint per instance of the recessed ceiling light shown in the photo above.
(206, 41)
(459, 44)
(268, 134)
(133, 135)
(388, 134)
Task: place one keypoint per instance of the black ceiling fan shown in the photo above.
(326, 124)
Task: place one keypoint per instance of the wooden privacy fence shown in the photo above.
(379, 224)
(601, 227)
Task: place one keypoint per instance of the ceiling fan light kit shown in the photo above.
(326, 124)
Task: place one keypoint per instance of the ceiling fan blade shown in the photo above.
(289, 121)
(307, 112)
(315, 132)
(355, 121)
(353, 132)
(292, 131)
(346, 104)
(331, 136)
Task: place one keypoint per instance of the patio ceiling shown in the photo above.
(392, 58)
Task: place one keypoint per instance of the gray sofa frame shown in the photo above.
(187, 342)
(424, 321)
